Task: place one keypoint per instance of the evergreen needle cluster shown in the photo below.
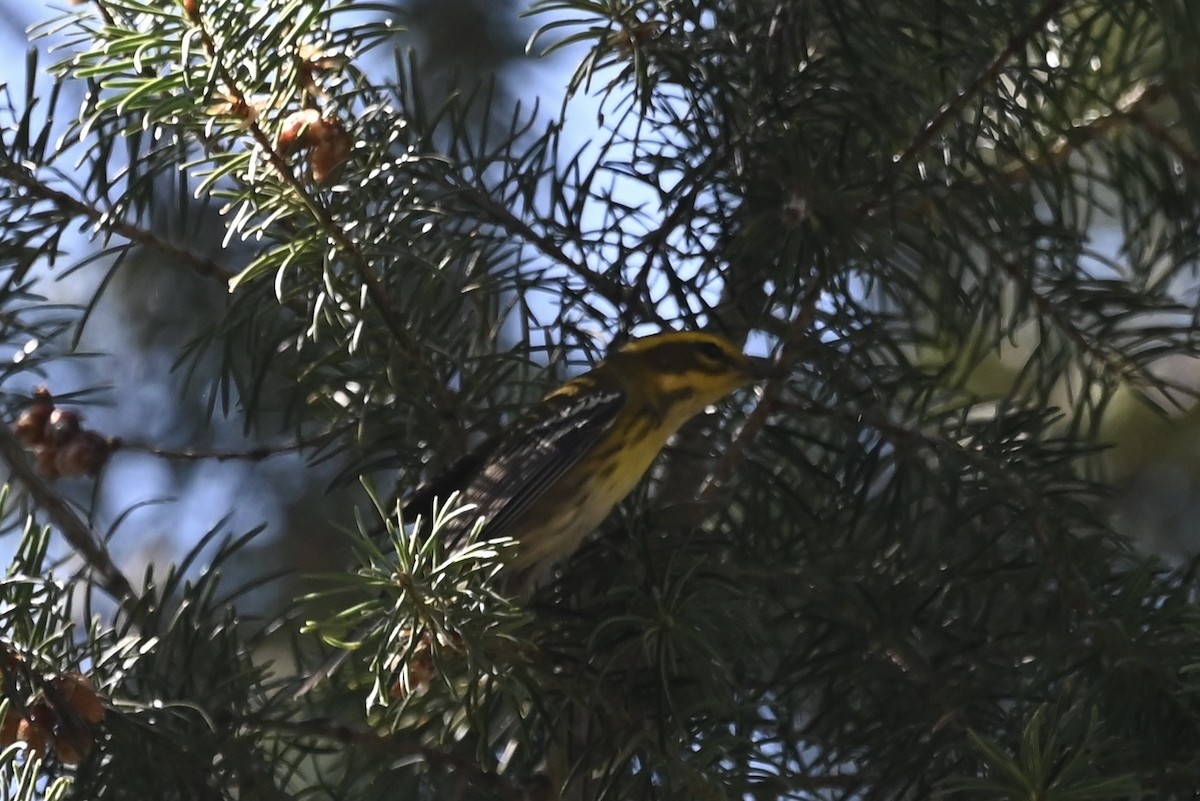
(928, 560)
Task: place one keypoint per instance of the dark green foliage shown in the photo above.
(967, 230)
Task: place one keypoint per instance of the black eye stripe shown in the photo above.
(696, 360)
(707, 368)
(708, 358)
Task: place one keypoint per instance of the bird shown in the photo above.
(553, 476)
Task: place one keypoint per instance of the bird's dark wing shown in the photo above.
(512, 470)
(419, 503)
(529, 458)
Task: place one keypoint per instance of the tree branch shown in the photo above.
(447, 399)
(256, 454)
(78, 534)
(954, 107)
(794, 342)
(1129, 107)
(396, 746)
(75, 207)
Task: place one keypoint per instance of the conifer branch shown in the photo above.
(447, 400)
(257, 454)
(1129, 108)
(78, 534)
(953, 108)
(912, 565)
(620, 297)
(75, 207)
(1137, 112)
(395, 746)
(794, 342)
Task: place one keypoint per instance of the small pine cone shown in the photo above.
(45, 462)
(83, 455)
(8, 728)
(72, 743)
(297, 131)
(36, 730)
(419, 671)
(31, 425)
(329, 155)
(77, 692)
(62, 426)
(325, 136)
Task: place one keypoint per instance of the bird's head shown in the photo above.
(684, 372)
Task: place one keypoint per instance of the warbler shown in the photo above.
(552, 477)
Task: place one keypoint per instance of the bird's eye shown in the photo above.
(711, 351)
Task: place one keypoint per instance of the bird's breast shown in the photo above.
(554, 528)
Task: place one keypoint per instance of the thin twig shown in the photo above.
(772, 391)
(447, 400)
(1137, 113)
(396, 745)
(952, 109)
(798, 333)
(78, 533)
(106, 222)
(256, 454)
(612, 291)
(1129, 107)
